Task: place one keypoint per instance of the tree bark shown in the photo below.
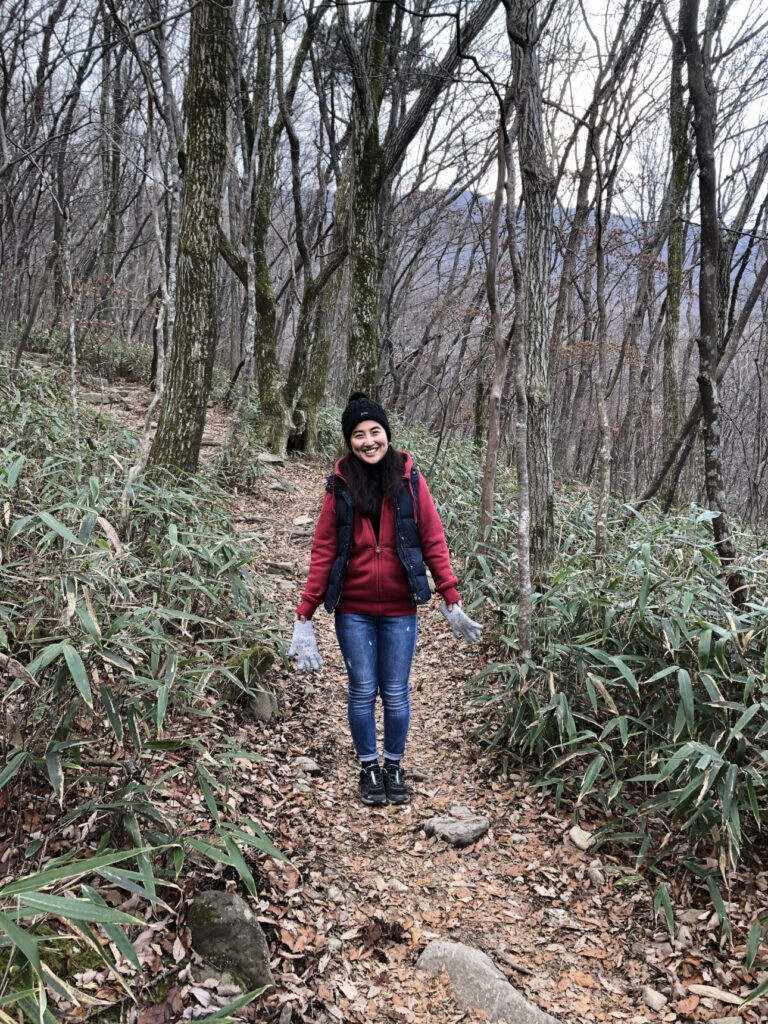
(177, 442)
(703, 98)
(538, 195)
(678, 130)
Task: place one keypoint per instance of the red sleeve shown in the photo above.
(321, 558)
(434, 547)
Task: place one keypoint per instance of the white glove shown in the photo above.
(305, 646)
(462, 627)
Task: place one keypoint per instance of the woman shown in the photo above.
(377, 533)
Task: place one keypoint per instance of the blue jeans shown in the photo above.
(378, 651)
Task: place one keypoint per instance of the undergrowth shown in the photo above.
(644, 707)
(114, 623)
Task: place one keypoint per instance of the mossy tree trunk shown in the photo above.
(366, 183)
(179, 433)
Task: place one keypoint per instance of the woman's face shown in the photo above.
(369, 442)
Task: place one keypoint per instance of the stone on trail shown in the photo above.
(580, 838)
(479, 984)
(225, 932)
(308, 766)
(458, 831)
(653, 999)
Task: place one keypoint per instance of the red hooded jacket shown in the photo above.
(376, 582)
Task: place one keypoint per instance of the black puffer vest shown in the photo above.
(408, 542)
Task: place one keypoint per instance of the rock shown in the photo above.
(684, 937)
(479, 984)
(595, 874)
(460, 811)
(710, 992)
(225, 932)
(691, 916)
(262, 704)
(308, 766)
(275, 460)
(580, 838)
(726, 1020)
(335, 895)
(653, 999)
(458, 832)
(257, 696)
(303, 521)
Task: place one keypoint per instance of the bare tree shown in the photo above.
(182, 419)
(701, 86)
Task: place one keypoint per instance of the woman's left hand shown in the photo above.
(462, 627)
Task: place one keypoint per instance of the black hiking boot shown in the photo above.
(372, 790)
(394, 785)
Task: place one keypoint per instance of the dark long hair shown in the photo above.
(369, 485)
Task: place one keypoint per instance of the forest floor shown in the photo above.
(364, 889)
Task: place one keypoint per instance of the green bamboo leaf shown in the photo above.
(143, 862)
(88, 622)
(25, 944)
(73, 908)
(12, 474)
(128, 880)
(55, 774)
(114, 931)
(717, 902)
(258, 839)
(45, 657)
(14, 997)
(705, 645)
(238, 861)
(589, 776)
(163, 694)
(686, 698)
(111, 709)
(743, 721)
(225, 1013)
(78, 672)
(66, 868)
(13, 767)
(662, 901)
(752, 797)
(206, 779)
(757, 993)
(36, 1007)
(122, 943)
(59, 528)
(17, 526)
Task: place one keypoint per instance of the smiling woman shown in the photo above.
(377, 534)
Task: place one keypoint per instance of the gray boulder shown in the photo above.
(225, 932)
(479, 985)
(457, 831)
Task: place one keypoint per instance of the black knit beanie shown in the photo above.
(360, 407)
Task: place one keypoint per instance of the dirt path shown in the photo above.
(372, 889)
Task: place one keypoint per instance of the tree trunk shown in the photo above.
(182, 419)
(703, 97)
(678, 128)
(538, 194)
(500, 348)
